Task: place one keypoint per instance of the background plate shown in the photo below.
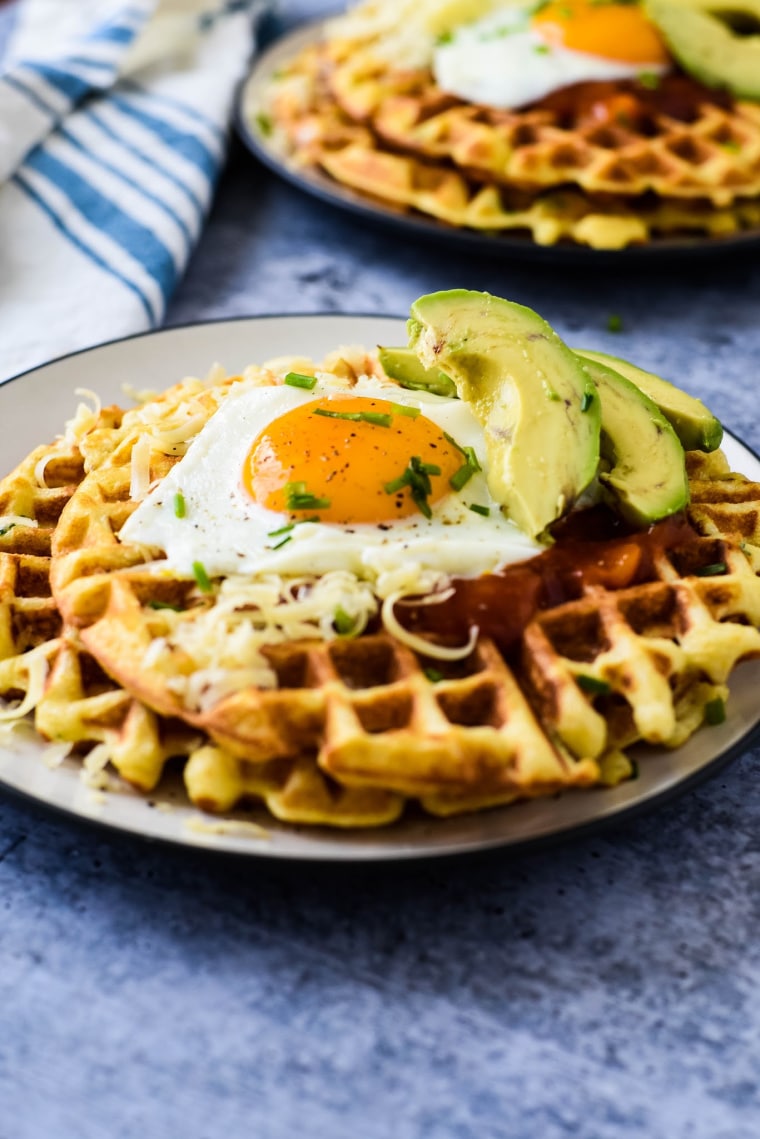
(34, 407)
(251, 99)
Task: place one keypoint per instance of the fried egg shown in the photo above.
(521, 54)
(374, 479)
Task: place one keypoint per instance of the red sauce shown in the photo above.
(592, 548)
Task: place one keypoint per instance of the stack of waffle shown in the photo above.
(605, 165)
(353, 728)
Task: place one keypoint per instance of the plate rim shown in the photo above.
(339, 855)
(320, 186)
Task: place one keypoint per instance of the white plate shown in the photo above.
(34, 407)
(251, 103)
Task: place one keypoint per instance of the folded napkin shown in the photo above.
(113, 129)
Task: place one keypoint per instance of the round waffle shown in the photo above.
(607, 165)
(346, 729)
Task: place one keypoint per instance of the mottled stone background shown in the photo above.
(607, 988)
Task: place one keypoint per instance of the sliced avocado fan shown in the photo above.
(716, 41)
(539, 409)
(694, 424)
(646, 479)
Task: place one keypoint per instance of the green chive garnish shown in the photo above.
(179, 505)
(587, 400)
(404, 409)
(298, 498)
(591, 684)
(344, 623)
(282, 530)
(417, 478)
(376, 418)
(461, 477)
(731, 145)
(264, 123)
(715, 712)
(164, 605)
(298, 380)
(711, 570)
(541, 49)
(476, 508)
(284, 542)
(649, 79)
(614, 323)
(7, 529)
(433, 674)
(202, 579)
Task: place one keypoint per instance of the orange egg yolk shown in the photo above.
(347, 464)
(612, 31)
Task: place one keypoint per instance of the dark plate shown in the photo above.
(251, 97)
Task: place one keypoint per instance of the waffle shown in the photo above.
(611, 166)
(347, 730)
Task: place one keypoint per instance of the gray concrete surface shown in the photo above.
(608, 988)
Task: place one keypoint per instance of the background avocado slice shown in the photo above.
(402, 365)
(539, 409)
(716, 41)
(647, 476)
(694, 424)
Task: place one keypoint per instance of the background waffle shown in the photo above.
(607, 174)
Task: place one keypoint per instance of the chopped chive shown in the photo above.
(732, 146)
(587, 400)
(404, 409)
(591, 684)
(298, 380)
(298, 498)
(433, 674)
(444, 38)
(7, 529)
(468, 452)
(711, 570)
(476, 508)
(614, 322)
(201, 577)
(282, 530)
(462, 476)
(715, 712)
(264, 123)
(649, 80)
(164, 605)
(417, 478)
(179, 505)
(344, 623)
(541, 49)
(284, 542)
(377, 418)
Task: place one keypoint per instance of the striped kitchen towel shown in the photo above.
(113, 127)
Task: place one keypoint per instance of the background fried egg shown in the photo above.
(518, 55)
(230, 505)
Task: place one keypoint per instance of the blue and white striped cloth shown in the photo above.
(113, 128)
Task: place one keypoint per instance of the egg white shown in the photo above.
(229, 533)
(501, 62)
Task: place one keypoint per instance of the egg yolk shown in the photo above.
(346, 465)
(612, 31)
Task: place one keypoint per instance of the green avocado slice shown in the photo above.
(402, 365)
(646, 479)
(716, 41)
(694, 424)
(539, 409)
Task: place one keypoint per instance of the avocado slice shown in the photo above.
(694, 424)
(716, 41)
(402, 365)
(539, 409)
(646, 479)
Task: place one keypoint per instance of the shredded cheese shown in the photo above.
(36, 665)
(420, 644)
